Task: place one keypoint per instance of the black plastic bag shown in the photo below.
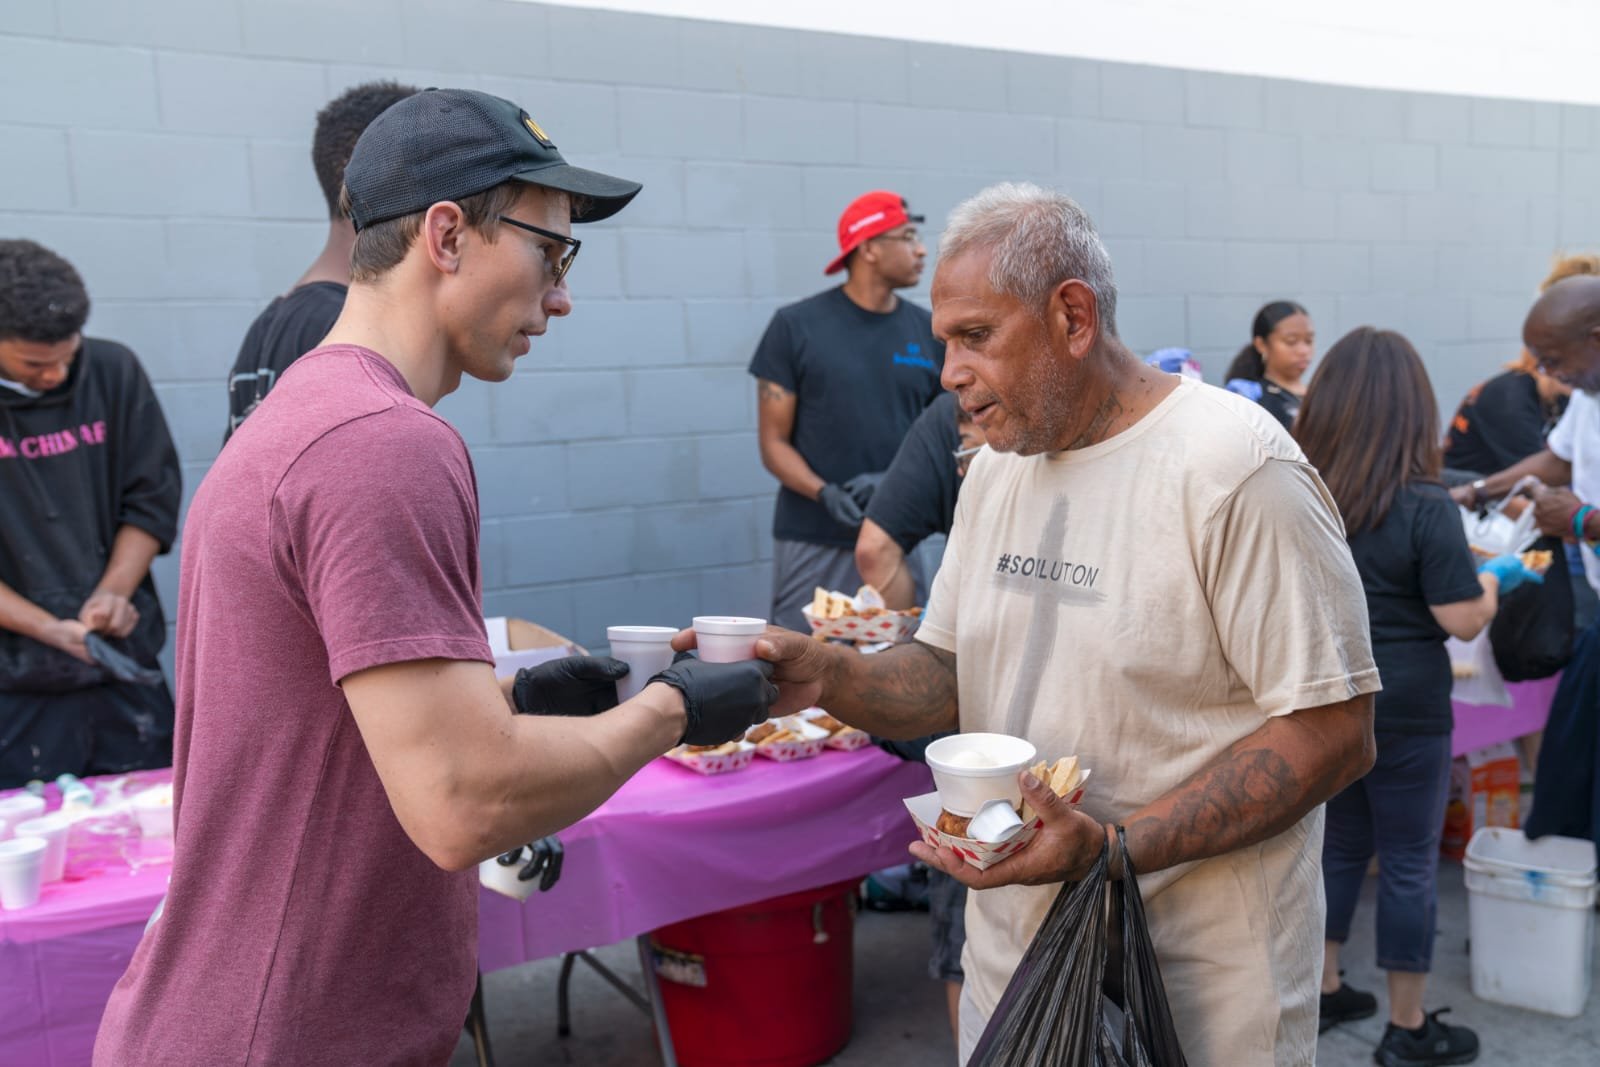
(1053, 1012)
(1532, 633)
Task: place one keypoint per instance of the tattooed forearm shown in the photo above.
(903, 692)
(1109, 411)
(772, 391)
(1259, 788)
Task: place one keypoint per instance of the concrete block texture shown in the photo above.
(164, 150)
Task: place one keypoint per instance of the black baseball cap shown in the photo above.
(447, 144)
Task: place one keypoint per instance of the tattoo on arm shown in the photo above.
(772, 391)
(901, 693)
(1260, 787)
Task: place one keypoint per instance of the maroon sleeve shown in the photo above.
(376, 532)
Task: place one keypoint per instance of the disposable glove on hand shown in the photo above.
(862, 486)
(721, 700)
(1510, 570)
(576, 685)
(841, 506)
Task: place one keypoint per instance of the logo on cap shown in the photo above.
(537, 131)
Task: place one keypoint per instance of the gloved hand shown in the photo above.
(1244, 387)
(576, 685)
(545, 857)
(721, 700)
(841, 506)
(1511, 571)
(862, 486)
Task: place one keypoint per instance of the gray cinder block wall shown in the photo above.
(163, 147)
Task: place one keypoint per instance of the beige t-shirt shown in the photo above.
(1144, 603)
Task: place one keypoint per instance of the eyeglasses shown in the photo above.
(572, 244)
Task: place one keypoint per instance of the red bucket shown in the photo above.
(765, 985)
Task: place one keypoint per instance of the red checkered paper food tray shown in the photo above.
(895, 626)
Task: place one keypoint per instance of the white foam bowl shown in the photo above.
(969, 770)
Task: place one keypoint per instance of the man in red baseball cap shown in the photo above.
(841, 376)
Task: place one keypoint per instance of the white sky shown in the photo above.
(1529, 49)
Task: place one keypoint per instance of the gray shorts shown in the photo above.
(947, 912)
(798, 567)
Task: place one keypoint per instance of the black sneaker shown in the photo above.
(1434, 1044)
(1344, 1005)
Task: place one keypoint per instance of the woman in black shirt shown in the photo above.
(1269, 369)
(1504, 420)
(1370, 426)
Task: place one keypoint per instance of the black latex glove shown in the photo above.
(544, 862)
(120, 665)
(841, 506)
(576, 685)
(862, 486)
(721, 700)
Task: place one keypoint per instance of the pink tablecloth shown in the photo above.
(1478, 725)
(669, 846)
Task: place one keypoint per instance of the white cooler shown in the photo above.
(1531, 910)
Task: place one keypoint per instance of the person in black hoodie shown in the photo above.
(91, 486)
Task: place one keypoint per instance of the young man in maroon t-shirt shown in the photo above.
(345, 756)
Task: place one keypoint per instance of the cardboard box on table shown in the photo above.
(517, 643)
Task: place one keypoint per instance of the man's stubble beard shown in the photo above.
(1059, 392)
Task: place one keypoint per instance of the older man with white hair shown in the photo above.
(1146, 572)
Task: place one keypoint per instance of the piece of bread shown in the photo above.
(781, 735)
(758, 734)
(828, 723)
(1062, 777)
(952, 824)
(727, 748)
(1538, 560)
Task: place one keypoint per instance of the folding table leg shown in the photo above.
(563, 1008)
(564, 983)
(478, 1026)
(652, 985)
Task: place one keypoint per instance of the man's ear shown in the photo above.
(1075, 315)
(443, 227)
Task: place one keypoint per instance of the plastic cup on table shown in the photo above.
(52, 830)
(727, 638)
(21, 871)
(153, 811)
(645, 649)
(17, 809)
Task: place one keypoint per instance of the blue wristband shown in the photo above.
(1579, 517)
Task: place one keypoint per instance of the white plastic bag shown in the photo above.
(1494, 533)
(1477, 678)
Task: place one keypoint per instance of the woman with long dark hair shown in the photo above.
(1269, 369)
(1370, 426)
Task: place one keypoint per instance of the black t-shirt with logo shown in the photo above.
(1415, 558)
(861, 378)
(917, 498)
(291, 326)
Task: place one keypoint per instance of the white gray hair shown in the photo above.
(1040, 238)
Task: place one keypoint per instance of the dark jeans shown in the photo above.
(1397, 811)
(1566, 790)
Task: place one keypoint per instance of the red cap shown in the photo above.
(868, 215)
